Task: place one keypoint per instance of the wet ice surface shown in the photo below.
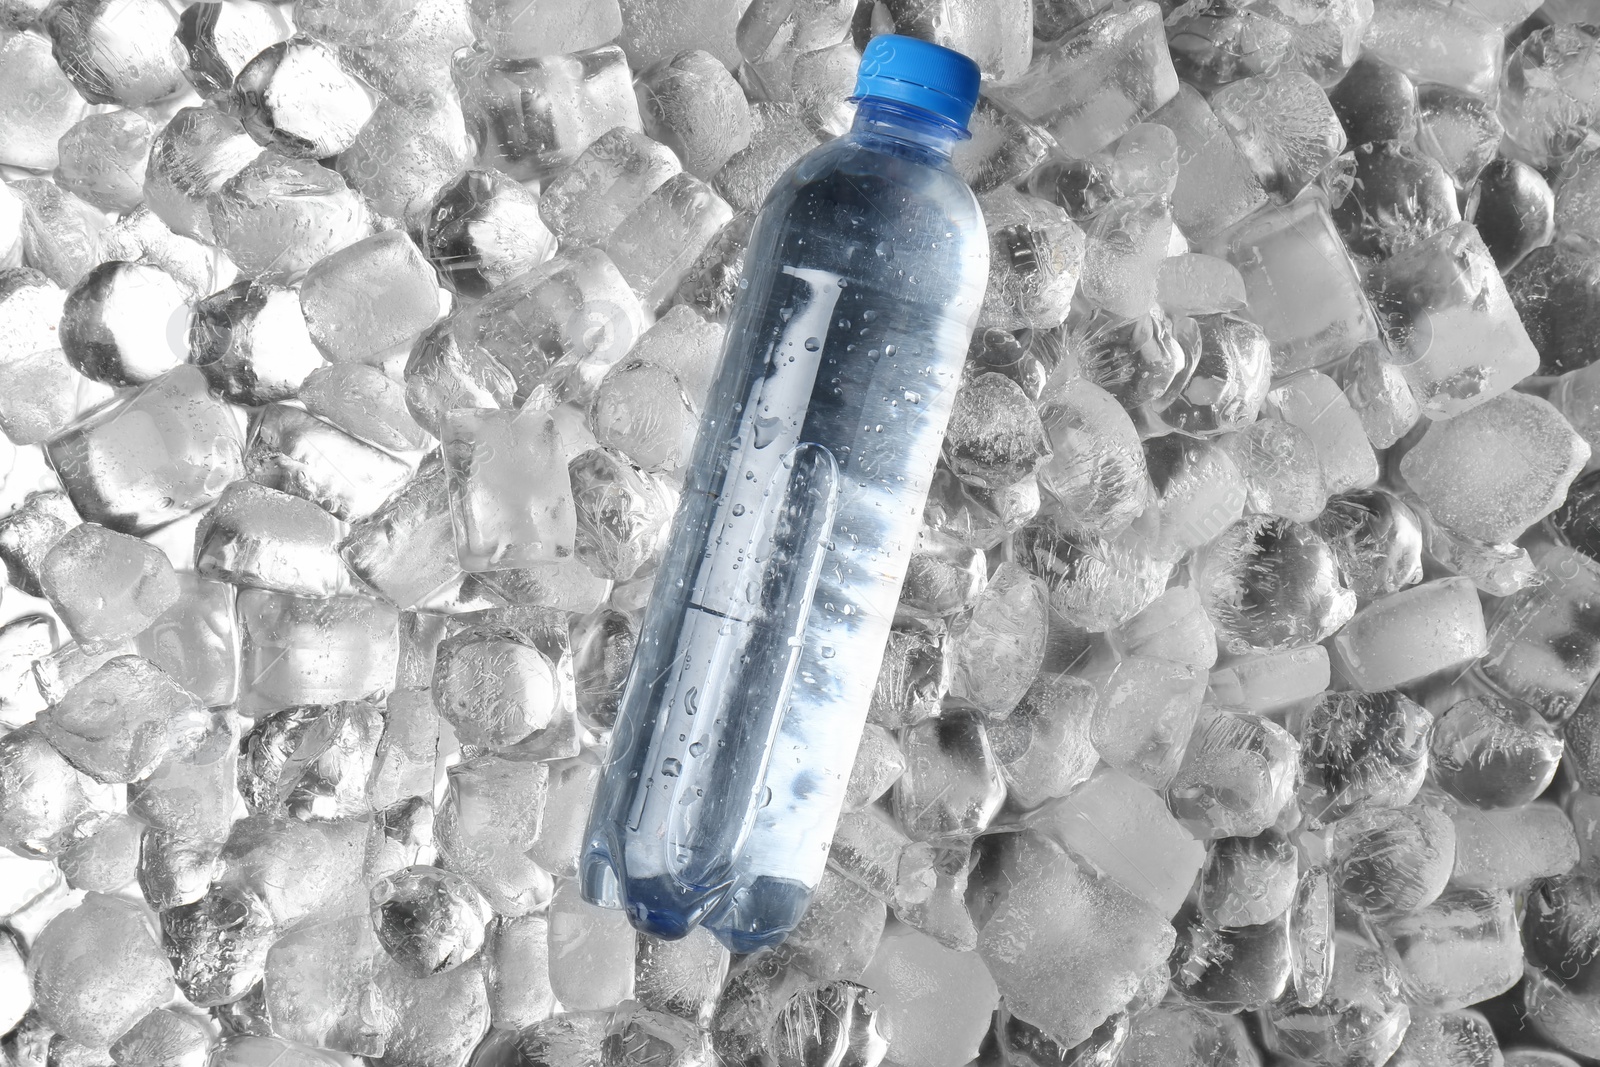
(1239, 703)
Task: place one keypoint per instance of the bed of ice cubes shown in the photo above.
(1240, 705)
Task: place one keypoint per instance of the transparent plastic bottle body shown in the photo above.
(759, 649)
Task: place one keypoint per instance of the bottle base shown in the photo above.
(744, 916)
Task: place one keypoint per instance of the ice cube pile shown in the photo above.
(1240, 707)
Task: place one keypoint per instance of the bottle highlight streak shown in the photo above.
(771, 609)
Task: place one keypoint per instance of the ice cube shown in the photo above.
(1542, 650)
(250, 340)
(1388, 643)
(657, 244)
(1361, 751)
(1126, 243)
(190, 793)
(1217, 184)
(1284, 125)
(164, 1038)
(1375, 102)
(1124, 831)
(935, 1002)
(518, 972)
(429, 921)
(489, 818)
(1391, 862)
(561, 326)
(690, 103)
(277, 215)
(607, 181)
(22, 640)
(527, 29)
(297, 650)
(296, 96)
(106, 586)
(1463, 1037)
(102, 159)
(406, 549)
(1001, 150)
(196, 640)
(364, 402)
(1360, 1018)
(591, 953)
(1166, 1034)
(1225, 378)
(60, 233)
(839, 933)
(1399, 197)
(1036, 257)
(952, 788)
(140, 236)
(1144, 717)
(913, 678)
(220, 38)
(1094, 583)
(1248, 880)
(258, 537)
(1285, 253)
(299, 454)
(1510, 849)
(39, 104)
(1043, 747)
(320, 986)
(1450, 322)
(120, 722)
(1378, 391)
(299, 870)
(368, 298)
(405, 155)
(118, 51)
(402, 48)
(1094, 84)
(778, 136)
(1554, 292)
(483, 229)
(311, 761)
(1066, 947)
(191, 158)
(999, 646)
(1238, 773)
(42, 795)
(44, 391)
(1097, 469)
(1282, 473)
(1315, 403)
(96, 970)
(531, 118)
(1453, 465)
(29, 532)
(1496, 754)
(125, 324)
(1229, 969)
(494, 687)
(1199, 491)
(622, 513)
(1433, 43)
(1307, 601)
(502, 519)
(1378, 540)
(1458, 950)
(653, 31)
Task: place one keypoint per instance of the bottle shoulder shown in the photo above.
(899, 181)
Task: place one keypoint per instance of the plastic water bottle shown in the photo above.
(759, 650)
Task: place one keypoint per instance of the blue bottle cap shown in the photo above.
(910, 71)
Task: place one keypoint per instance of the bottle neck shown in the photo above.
(907, 124)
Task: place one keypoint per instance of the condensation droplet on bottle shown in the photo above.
(813, 344)
(671, 767)
(766, 796)
(698, 748)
